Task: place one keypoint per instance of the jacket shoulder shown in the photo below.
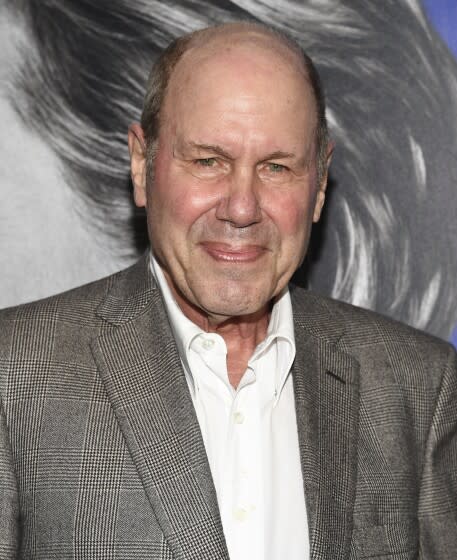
(361, 331)
(70, 305)
(62, 317)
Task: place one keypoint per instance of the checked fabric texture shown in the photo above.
(101, 456)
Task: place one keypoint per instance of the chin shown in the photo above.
(229, 301)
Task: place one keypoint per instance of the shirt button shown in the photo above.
(207, 343)
(240, 514)
(238, 417)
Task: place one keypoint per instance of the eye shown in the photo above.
(273, 172)
(206, 162)
(276, 167)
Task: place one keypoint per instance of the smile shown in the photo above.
(229, 253)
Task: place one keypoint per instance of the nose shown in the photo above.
(240, 205)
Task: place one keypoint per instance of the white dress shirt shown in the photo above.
(250, 433)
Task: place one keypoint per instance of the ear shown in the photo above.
(137, 150)
(320, 197)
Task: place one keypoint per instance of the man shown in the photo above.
(190, 406)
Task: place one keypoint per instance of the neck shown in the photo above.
(241, 336)
(241, 333)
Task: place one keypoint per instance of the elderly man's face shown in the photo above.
(235, 187)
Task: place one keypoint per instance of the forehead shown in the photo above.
(249, 73)
(249, 51)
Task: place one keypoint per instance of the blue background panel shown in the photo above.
(443, 15)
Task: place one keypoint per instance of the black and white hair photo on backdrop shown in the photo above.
(389, 232)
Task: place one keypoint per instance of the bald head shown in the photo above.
(199, 47)
(254, 34)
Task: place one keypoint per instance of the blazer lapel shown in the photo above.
(327, 402)
(141, 370)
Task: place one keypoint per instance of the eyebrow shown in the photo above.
(280, 155)
(211, 148)
(219, 150)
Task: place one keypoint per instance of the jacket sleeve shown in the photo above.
(438, 494)
(9, 507)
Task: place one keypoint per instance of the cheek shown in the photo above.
(292, 214)
(178, 198)
(190, 201)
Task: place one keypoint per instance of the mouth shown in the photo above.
(224, 252)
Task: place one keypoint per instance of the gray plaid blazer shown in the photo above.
(101, 456)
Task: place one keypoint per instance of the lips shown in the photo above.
(225, 252)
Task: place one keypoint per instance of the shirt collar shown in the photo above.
(184, 330)
(281, 332)
(280, 327)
